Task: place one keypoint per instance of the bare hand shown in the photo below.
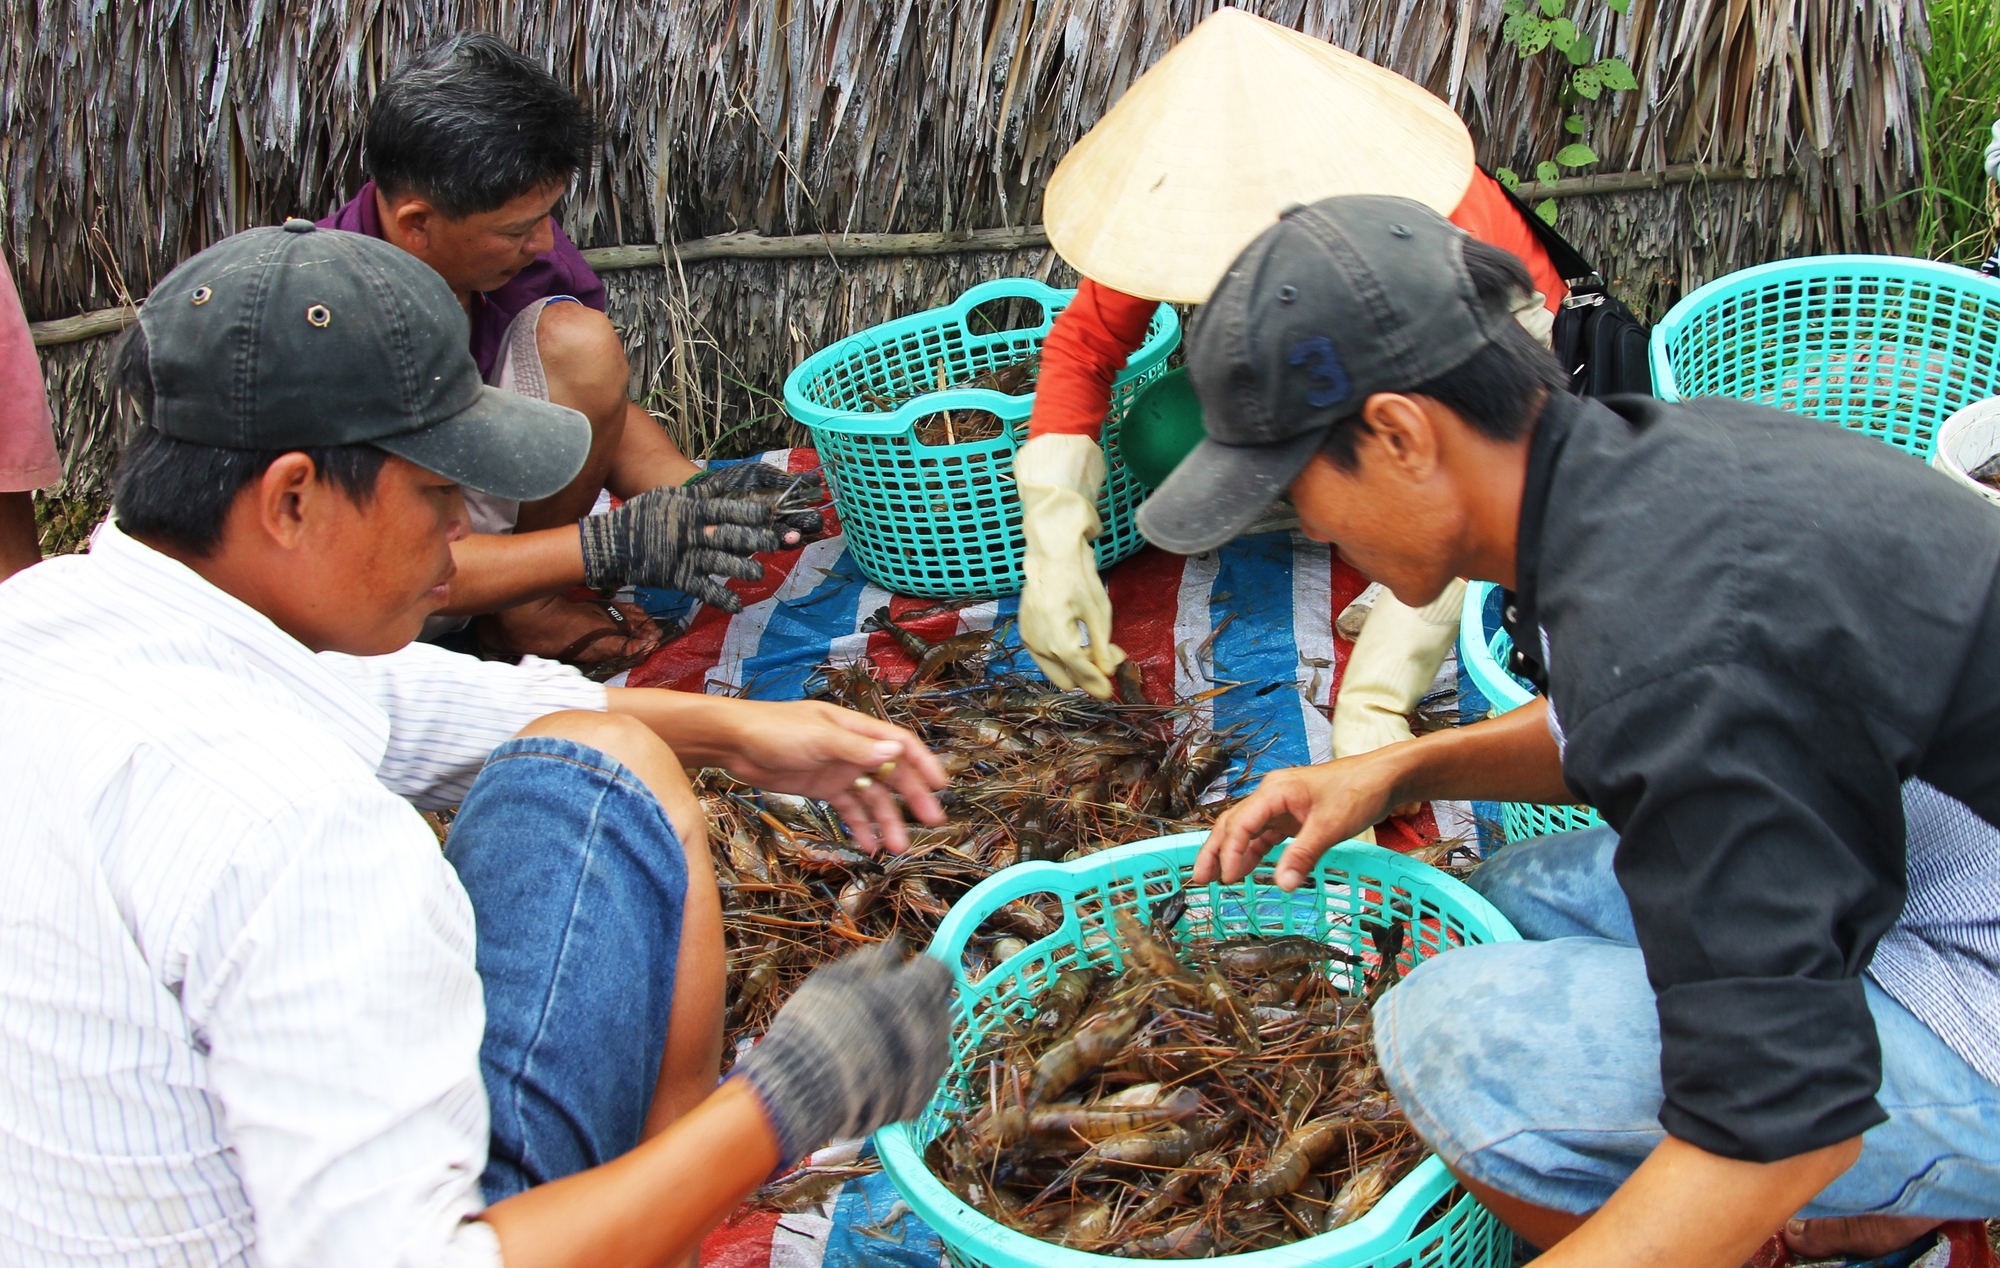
(846, 759)
(1317, 806)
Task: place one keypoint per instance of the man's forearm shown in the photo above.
(1509, 758)
(646, 457)
(652, 1206)
(700, 729)
(1688, 1208)
(498, 571)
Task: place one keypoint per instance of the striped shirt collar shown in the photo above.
(176, 594)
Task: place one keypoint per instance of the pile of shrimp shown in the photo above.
(1211, 1099)
(958, 427)
(1037, 774)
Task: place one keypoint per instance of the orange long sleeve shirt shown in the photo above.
(1093, 337)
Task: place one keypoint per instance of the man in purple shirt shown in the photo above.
(470, 146)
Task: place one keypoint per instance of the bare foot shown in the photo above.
(589, 635)
(1855, 1236)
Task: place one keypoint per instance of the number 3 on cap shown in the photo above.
(1321, 363)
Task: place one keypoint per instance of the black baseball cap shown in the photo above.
(295, 337)
(1337, 301)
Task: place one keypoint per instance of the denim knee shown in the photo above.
(1532, 1067)
(1559, 886)
(1939, 1153)
(577, 882)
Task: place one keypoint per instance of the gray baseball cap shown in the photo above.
(1337, 301)
(296, 337)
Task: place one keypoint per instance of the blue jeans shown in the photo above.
(1534, 1067)
(577, 883)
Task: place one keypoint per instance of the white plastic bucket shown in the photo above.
(1966, 439)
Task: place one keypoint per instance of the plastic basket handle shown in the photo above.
(1011, 409)
(1048, 297)
(1170, 854)
(900, 421)
(995, 892)
(1039, 877)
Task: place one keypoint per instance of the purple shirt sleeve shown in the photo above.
(559, 271)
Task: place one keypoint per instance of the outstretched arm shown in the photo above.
(653, 1205)
(808, 748)
(1509, 758)
(671, 538)
(1086, 348)
(862, 1042)
(497, 571)
(1059, 473)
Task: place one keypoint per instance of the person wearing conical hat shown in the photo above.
(1239, 121)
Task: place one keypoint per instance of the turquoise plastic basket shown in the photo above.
(1884, 345)
(1483, 649)
(1353, 882)
(944, 521)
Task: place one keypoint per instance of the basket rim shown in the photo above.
(971, 1232)
(901, 422)
(1475, 653)
(1667, 387)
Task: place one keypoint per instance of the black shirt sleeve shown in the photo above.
(1762, 852)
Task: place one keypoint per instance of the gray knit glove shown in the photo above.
(794, 499)
(674, 540)
(861, 1043)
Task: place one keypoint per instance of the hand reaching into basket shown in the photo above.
(1318, 807)
(862, 1043)
(1509, 758)
(678, 540)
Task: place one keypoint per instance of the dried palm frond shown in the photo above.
(173, 124)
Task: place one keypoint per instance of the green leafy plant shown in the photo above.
(1537, 27)
(1962, 99)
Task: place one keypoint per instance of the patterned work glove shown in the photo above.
(794, 499)
(676, 541)
(861, 1043)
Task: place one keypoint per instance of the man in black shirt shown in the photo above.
(1765, 642)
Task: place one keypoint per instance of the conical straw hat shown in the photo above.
(1239, 121)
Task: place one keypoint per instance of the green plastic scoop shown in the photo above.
(1164, 425)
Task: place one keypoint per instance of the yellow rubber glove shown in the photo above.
(1391, 668)
(1059, 476)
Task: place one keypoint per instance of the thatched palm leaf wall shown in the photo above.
(166, 124)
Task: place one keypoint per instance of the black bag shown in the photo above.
(1596, 338)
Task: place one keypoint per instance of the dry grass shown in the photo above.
(170, 125)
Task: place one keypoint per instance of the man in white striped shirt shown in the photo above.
(249, 1014)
